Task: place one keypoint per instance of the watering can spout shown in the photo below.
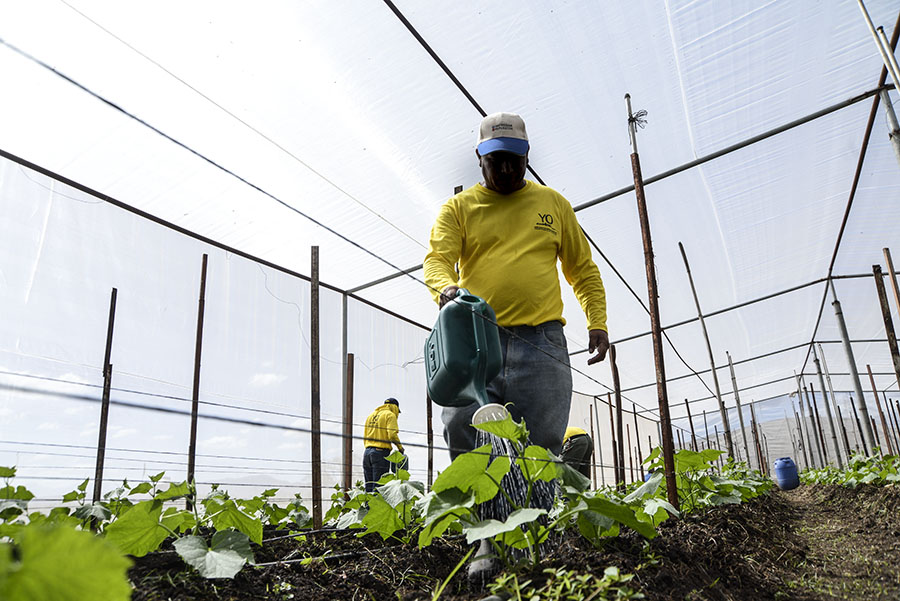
(492, 412)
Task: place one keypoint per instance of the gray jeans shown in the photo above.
(535, 378)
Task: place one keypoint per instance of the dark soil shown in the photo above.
(813, 543)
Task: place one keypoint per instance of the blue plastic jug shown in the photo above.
(786, 475)
(462, 353)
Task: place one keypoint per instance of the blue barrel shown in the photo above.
(786, 475)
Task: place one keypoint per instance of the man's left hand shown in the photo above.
(599, 341)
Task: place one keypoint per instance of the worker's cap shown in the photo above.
(393, 401)
(504, 132)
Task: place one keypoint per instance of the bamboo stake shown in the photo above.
(195, 390)
(862, 439)
(630, 460)
(814, 429)
(597, 444)
(891, 421)
(844, 432)
(104, 402)
(756, 442)
(615, 446)
(637, 441)
(705, 430)
(833, 398)
(815, 405)
(593, 463)
(809, 438)
(800, 440)
(315, 405)
(740, 412)
(620, 433)
(726, 426)
(887, 439)
(877, 438)
(348, 427)
(834, 440)
(694, 434)
(655, 326)
(892, 276)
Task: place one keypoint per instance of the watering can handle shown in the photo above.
(480, 360)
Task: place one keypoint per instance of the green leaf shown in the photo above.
(223, 558)
(538, 464)
(470, 471)
(443, 509)
(7, 472)
(19, 492)
(396, 492)
(658, 510)
(489, 528)
(92, 510)
(647, 488)
(177, 520)
(621, 513)
(72, 496)
(63, 564)
(142, 488)
(175, 491)
(138, 531)
(505, 428)
(157, 477)
(228, 515)
(83, 486)
(381, 518)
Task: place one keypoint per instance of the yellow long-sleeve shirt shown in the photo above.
(507, 246)
(382, 429)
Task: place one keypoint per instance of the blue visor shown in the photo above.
(513, 145)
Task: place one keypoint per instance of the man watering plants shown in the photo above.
(380, 433)
(507, 234)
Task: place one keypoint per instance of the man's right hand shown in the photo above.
(448, 294)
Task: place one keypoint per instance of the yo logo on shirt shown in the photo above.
(545, 223)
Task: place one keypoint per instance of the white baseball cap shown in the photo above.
(504, 132)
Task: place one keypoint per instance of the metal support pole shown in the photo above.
(620, 433)
(693, 433)
(680, 441)
(348, 423)
(815, 405)
(893, 126)
(726, 426)
(737, 401)
(195, 391)
(884, 47)
(104, 403)
(884, 428)
(655, 327)
(861, 410)
(314, 398)
(834, 438)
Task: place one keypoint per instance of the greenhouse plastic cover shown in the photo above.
(286, 125)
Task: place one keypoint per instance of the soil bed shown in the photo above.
(814, 543)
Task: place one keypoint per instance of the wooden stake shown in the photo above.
(315, 407)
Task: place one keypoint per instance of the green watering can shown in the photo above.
(462, 354)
